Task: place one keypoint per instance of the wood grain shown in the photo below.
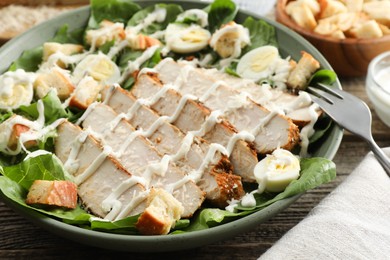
(20, 239)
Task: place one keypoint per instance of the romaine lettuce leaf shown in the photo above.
(221, 12)
(261, 34)
(31, 59)
(113, 10)
(314, 172)
(42, 167)
(53, 109)
(172, 12)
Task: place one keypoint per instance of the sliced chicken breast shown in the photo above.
(216, 178)
(99, 176)
(271, 130)
(193, 116)
(140, 157)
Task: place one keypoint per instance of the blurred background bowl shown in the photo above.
(348, 57)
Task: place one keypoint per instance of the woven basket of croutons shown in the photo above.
(349, 33)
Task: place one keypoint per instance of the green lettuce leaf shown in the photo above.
(114, 10)
(53, 109)
(327, 77)
(43, 167)
(131, 55)
(29, 60)
(261, 34)
(64, 36)
(18, 194)
(221, 12)
(18, 179)
(314, 172)
(172, 12)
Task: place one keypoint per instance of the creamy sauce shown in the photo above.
(111, 205)
(201, 15)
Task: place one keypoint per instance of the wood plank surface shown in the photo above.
(20, 239)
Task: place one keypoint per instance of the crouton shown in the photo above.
(108, 31)
(334, 24)
(11, 130)
(367, 30)
(354, 5)
(56, 79)
(86, 93)
(141, 42)
(53, 193)
(49, 48)
(161, 214)
(379, 11)
(331, 7)
(301, 15)
(300, 75)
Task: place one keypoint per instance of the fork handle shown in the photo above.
(380, 155)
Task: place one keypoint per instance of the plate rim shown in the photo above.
(138, 243)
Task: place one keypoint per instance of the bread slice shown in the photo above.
(53, 193)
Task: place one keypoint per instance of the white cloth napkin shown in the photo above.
(352, 222)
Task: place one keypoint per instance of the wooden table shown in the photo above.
(20, 238)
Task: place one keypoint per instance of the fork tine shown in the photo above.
(324, 104)
(322, 95)
(335, 91)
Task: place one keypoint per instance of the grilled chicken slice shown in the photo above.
(295, 107)
(195, 117)
(271, 130)
(140, 157)
(219, 185)
(99, 181)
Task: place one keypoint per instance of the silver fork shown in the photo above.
(351, 113)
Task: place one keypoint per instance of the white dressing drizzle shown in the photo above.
(136, 64)
(91, 169)
(308, 130)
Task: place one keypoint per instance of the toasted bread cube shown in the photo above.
(161, 214)
(300, 75)
(141, 41)
(379, 11)
(301, 15)
(326, 27)
(313, 5)
(330, 8)
(11, 130)
(49, 48)
(86, 93)
(338, 34)
(354, 5)
(53, 79)
(17, 130)
(108, 31)
(367, 30)
(53, 193)
(385, 29)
